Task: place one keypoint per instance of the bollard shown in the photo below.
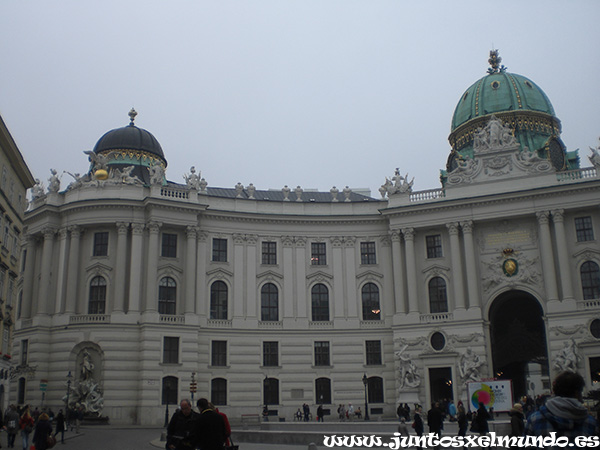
(312, 446)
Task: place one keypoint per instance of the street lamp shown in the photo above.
(69, 379)
(365, 381)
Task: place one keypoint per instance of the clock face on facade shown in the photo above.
(556, 154)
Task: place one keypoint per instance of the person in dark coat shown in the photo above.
(60, 426)
(43, 429)
(482, 420)
(517, 424)
(418, 425)
(210, 431)
(435, 419)
(461, 418)
(181, 428)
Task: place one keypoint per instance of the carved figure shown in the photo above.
(469, 366)
(408, 371)
(595, 158)
(567, 357)
(100, 161)
(192, 180)
(157, 173)
(37, 191)
(87, 367)
(53, 181)
(494, 135)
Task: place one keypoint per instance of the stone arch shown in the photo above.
(518, 341)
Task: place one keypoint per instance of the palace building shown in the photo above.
(136, 288)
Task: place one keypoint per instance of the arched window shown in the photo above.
(169, 390)
(370, 302)
(320, 302)
(167, 294)
(269, 303)
(590, 280)
(375, 389)
(218, 301)
(323, 391)
(97, 302)
(218, 391)
(271, 391)
(438, 300)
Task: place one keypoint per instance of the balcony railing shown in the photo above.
(89, 318)
(588, 304)
(172, 319)
(216, 323)
(436, 317)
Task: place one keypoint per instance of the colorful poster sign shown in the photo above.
(493, 394)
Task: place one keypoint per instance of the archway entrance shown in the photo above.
(518, 338)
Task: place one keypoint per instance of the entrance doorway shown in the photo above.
(518, 338)
(440, 384)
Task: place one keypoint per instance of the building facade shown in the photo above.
(15, 179)
(138, 287)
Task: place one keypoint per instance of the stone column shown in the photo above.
(287, 298)
(190, 269)
(59, 305)
(151, 303)
(471, 265)
(336, 298)
(202, 292)
(73, 270)
(28, 276)
(135, 267)
(563, 255)
(47, 266)
(300, 301)
(547, 256)
(236, 295)
(398, 272)
(411, 270)
(250, 276)
(121, 268)
(457, 274)
(350, 294)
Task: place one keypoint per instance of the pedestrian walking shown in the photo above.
(181, 428)
(517, 426)
(210, 429)
(26, 426)
(12, 425)
(43, 430)
(60, 426)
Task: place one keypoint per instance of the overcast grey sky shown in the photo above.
(283, 92)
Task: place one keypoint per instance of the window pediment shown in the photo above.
(369, 274)
(98, 268)
(269, 274)
(167, 269)
(219, 271)
(319, 275)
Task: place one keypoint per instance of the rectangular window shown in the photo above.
(367, 253)
(434, 246)
(171, 350)
(270, 354)
(169, 245)
(373, 349)
(219, 353)
(24, 351)
(2, 283)
(318, 256)
(219, 251)
(101, 243)
(584, 229)
(322, 353)
(269, 253)
(10, 293)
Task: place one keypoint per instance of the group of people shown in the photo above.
(207, 429)
(348, 413)
(35, 427)
(563, 413)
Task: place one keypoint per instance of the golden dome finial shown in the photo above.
(495, 61)
(132, 115)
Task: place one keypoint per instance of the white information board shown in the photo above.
(495, 394)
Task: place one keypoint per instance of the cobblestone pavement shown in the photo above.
(130, 438)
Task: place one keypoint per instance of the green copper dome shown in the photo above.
(519, 103)
(500, 92)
